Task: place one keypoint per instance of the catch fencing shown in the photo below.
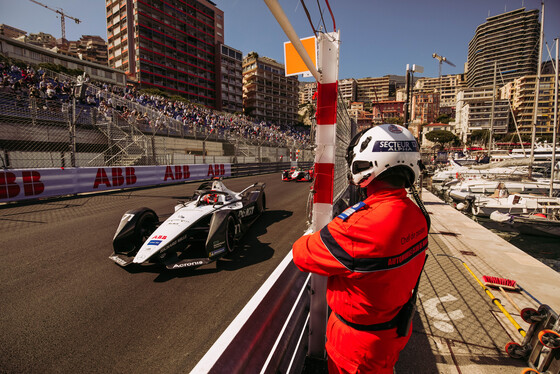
(38, 132)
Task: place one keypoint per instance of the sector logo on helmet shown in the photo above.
(380, 148)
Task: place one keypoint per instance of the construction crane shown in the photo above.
(439, 58)
(62, 16)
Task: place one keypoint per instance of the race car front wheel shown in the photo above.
(144, 228)
(230, 234)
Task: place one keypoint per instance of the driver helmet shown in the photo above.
(210, 198)
(381, 148)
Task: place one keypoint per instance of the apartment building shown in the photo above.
(425, 107)
(384, 110)
(268, 94)
(511, 40)
(306, 92)
(446, 85)
(231, 79)
(521, 92)
(90, 47)
(361, 117)
(372, 90)
(348, 89)
(474, 112)
(171, 45)
(10, 31)
(33, 54)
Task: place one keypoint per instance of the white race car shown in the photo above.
(198, 232)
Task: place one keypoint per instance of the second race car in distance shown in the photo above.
(198, 232)
(298, 174)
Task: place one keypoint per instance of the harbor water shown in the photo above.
(545, 249)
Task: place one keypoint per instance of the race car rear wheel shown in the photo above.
(230, 234)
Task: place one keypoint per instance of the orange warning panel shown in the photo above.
(292, 60)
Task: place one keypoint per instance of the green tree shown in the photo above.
(444, 118)
(479, 136)
(395, 120)
(441, 136)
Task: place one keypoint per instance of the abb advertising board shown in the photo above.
(24, 184)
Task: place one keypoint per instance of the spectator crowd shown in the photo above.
(52, 93)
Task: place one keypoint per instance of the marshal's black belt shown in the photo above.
(375, 327)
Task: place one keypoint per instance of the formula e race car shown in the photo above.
(199, 231)
(297, 174)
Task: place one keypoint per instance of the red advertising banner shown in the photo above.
(24, 184)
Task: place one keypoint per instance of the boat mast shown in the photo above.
(491, 135)
(537, 89)
(553, 163)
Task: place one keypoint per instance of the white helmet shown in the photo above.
(377, 149)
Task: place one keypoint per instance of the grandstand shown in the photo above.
(50, 119)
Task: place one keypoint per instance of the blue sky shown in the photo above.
(378, 37)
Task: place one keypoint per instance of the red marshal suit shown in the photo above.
(373, 254)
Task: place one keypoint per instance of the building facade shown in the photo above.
(425, 107)
(92, 48)
(446, 85)
(32, 54)
(348, 89)
(362, 118)
(474, 112)
(372, 90)
(521, 92)
(384, 110)
(511, 40)
(269, 95)
(231, 79)
(11, 32)
(306, 92)
(171, 45)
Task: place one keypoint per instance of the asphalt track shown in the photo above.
(66, 308)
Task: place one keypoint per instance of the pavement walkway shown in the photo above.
(458, 329)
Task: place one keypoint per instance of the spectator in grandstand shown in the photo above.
(90, 100)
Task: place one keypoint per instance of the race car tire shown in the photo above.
(263, 201)
(143, 229)
(230, 234)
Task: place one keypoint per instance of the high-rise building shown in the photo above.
(348, 89)
(511, 40)
(268, 94)
(231, 79)
(521, 92)
(306, 92)
(446, 85)
(92, 48)
(172, 45)
(474, 112)
(372, 90)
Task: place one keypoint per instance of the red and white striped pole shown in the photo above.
(327, 93)
(327, 90)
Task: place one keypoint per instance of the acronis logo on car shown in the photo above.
(154, 242)
(188, 264)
